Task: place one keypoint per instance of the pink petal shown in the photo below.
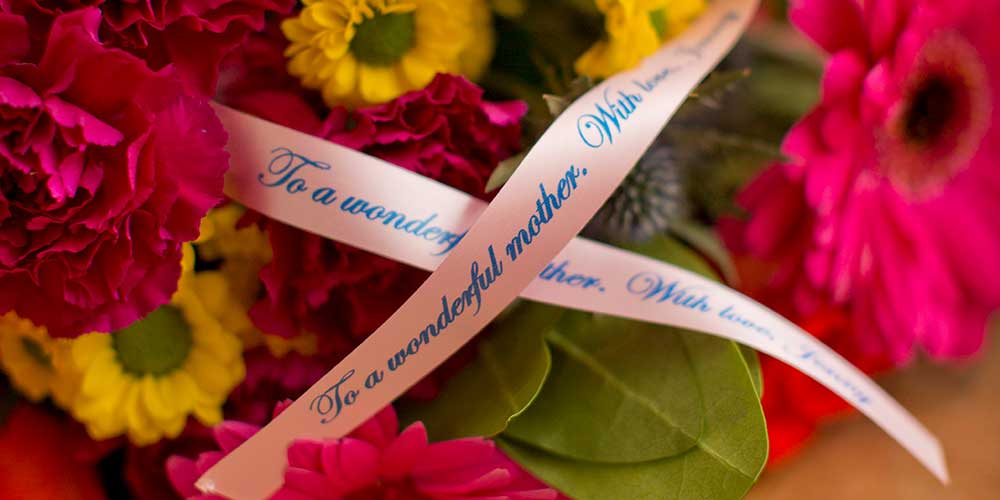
(832, 24)
(290, 494)
(93, 130)
(305, 454)
(231, 434)
(455, 454)
(351, 461)
(16, 94)
(14, 41)
(505, 113)
(454, 484)
(183, 473)
(883, 19)
(314, 484)
(844, 75)
(400, 456)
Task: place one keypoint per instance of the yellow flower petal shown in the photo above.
(457, 32)
(631, 35)
(378, 83)
(147, 407)
(158, 400)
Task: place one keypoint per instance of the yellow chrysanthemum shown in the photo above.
(634, 29)
(221, 240)
(145, 380)
(230, 292)
(34, 361)
(370, 51)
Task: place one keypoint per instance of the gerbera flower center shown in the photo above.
(941, 118)
(157, 345)
(383, 39)
(930, 110)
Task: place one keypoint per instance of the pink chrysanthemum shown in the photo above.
(106, 168)
(897, 169)
(376, 462)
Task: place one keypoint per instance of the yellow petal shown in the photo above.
(103, 374)
(157, 399)
(418, 72)
(209, 374)
(379, 84)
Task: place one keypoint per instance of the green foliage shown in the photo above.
(510, 367)
(728, 452)
(619, 392)
(608, 408)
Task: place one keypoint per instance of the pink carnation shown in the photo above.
(254, 72)
(446, 132)
(897, 168)
(192, 35)
(269, 381)
(106, 167)
(378, 462)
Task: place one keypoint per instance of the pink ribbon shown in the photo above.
(522, 243)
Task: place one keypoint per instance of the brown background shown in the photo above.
(852, 458)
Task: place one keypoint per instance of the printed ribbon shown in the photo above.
(522, 243)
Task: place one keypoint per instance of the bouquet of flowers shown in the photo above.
(150, 324)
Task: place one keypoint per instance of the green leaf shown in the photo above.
(619, 391)
(503, 172)
(753, 365)
(707, 241)
(500, 383)
(728, 453)
(673, 251)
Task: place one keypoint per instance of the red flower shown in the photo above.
(795, 404)
(102, 177)
(37, 462)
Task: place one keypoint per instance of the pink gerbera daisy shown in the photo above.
(376, 462)
(897, 166)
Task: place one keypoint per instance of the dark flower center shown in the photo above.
(938, 125)
(36, 351)
(930, 111)
(383, 39)
(659, 19)
(156, 345)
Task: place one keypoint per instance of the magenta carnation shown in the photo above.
(897, 169)
(445, 131)
(378, 462)
(192, 35)
(269, 381)
(106, 168)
